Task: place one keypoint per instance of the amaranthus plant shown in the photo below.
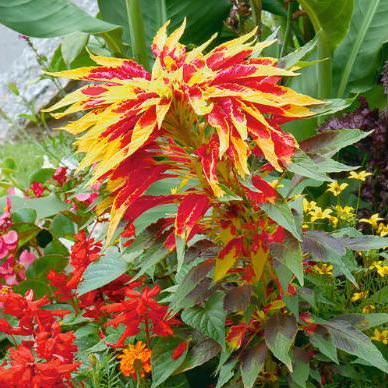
(197, 147)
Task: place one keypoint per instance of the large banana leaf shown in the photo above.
(356, 60)
(204, 17)
(49, 18)
(330, 18)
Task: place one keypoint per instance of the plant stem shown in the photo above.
(256, 8)
(137, 33)
(288, 30)
(324, 69)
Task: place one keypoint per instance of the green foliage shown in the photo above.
(48, 18)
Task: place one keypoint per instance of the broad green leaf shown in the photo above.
(328, 143)
(153, 215)
(329, 165)
(40, 287)
(226, 372)
(324, 343)
(357, 58)
(150, 258)
(252, 362)
(72, 46)
(364, 321)
(24, 215)
(44, 207)
(238, 298)
(41, 267)
(304, 166)
(209, 319)
(279, 335)
(62, 226)
(163, 365)
(108, 268)
(203, 17)
(199, 354)
(330, 18)
(178, 381)
(294, 57)
(365, 243)
(26, 232)
(353, 341)
(380, 296)
(301, 367)
(281, 213)
(289, 254)
(49, 18)
(42, 175)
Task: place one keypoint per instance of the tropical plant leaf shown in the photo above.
(279, 334)
(163, 364)
(353, 341)
(252, 362)
(49, 18)
(356, 60)
(331, 26)
(289, 254)
(108, 268)
(328, 143)
(281, 213)
(209, 319)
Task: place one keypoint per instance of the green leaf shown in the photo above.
(199, 354)
(24, 215)
(304, 166)
(353, 341)
(49, 18)
(108, 268)
(44, 207)
(281, 213)
(324, 343)
(62, 226)
(252, 363)
(275, 6)
(301, 367)
(380, 296)
(226, 372)
(365, 321)
(289, 254)
(26, 232)
(40, 287)
(163, 365)
(328, 143)
(365, 243)
(150, 258)
(153, 215)
(72, 46)
(332, 26)
(357, 58)
(279, 335)
(294, 57)
(209, 319)
(41, 267)
(42, 175)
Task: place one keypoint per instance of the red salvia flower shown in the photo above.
(83, 252)
(140, 308)
(37, 189)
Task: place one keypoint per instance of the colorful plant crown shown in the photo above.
(206, 120)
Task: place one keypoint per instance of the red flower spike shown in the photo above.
(140, 309)
(179, 350)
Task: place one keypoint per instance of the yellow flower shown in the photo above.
(368, 309)
(334, 221)
(323, 269)
(336, 188)
(360, 176)
(345, 213)
(359, 295)
(308, 205)
(381, 336)
(319, 214)
(372, 220)
(375, 265)
(276, 184)
(136, 359)
(382, 270)
(382, 229)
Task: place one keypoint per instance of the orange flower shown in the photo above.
(135, 360)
